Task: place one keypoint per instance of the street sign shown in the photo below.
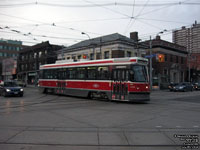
(150, 56)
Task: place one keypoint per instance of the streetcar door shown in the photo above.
(61, 84)
(119, 88)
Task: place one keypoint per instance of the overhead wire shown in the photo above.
(131, 24)
(127, 26)
(96, 4)
(106, 8)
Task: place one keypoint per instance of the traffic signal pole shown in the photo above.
(150, 64)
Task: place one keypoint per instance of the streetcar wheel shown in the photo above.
(91, 95)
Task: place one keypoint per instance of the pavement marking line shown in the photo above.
(178, 126)
(158, 126)
(195, 126)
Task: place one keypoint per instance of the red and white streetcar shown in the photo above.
(122, 79)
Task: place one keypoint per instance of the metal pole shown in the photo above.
(189, 66)
(150, 63)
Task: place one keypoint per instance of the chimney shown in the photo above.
(134, 36)
(157, 37)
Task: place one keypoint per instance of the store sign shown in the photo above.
(32, 74)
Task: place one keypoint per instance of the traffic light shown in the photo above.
(84, 56)
(160, 57)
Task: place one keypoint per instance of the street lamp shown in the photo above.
(86, 35)
(90, 42)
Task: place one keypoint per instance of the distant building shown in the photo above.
(9, 68)
(32, 57)
(195, 67)
(173, 67)
(9, 49)
(105, 47)
(188, 37)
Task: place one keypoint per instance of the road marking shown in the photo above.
(178, 126)
(195, 126)
(158, 126)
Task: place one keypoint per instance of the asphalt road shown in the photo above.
(170, 121)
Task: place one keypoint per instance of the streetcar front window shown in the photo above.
(138, 74)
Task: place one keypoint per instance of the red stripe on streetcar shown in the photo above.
(133, 60)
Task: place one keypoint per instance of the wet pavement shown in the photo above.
(170, 121)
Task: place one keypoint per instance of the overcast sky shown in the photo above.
(62, 21)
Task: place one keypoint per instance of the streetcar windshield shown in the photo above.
(138, 74)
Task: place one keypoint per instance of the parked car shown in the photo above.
(196, 86)
(171, 86)
(184, 86)
(21, 83)
(11, 88)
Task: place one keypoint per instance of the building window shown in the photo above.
(79, 56)
(176, 59)
(91, 56)
(136, 54)
(171, 58)
(165, 57)
(106, 55)
(128, 54)
(182, 60)
(1, 54)
(165, 71)
(35, 55)
(40, 54)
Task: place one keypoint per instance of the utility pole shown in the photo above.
(189, 59)
(150, 63)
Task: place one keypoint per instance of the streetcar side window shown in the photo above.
(49, 74)
(103, 73)
(72, 73)
(80, 73)
(60, 73)
(91, 73)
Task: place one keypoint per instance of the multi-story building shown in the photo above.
(188, 37)
(32, 57)
(9, 49)
(105, 47)
(173, 67)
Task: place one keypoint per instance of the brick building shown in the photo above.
(173, 68)
(105, 47)
(195, 67)
(32, 57)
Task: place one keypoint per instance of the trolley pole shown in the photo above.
(150, 63)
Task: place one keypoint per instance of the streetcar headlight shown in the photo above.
(147, 87)
(7, 90)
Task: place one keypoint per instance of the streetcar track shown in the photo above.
(71, 104)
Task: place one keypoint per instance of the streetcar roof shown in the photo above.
(105, 62)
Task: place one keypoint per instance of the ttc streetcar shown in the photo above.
(121, 79)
